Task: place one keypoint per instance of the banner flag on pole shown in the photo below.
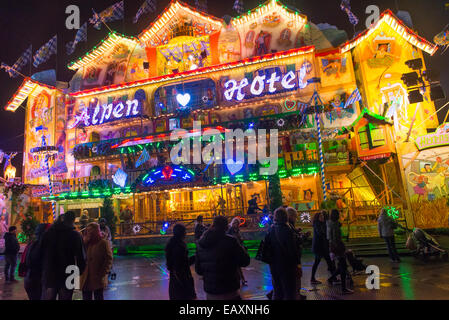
(144, 157)
(201, 5)
(147, 6)
(345, 6)
(44, 53)
(353, 98)
(238, 6)
(81, 35)
(113, 13)
(20, 63)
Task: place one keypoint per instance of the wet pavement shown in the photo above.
(144, 276)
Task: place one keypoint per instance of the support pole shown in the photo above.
(320, 145)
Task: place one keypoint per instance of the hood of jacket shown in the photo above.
(211, 238)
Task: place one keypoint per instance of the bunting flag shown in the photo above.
(81, 35)
(144, 157)
(353, 98)
(20, 63)
(201, 5)
(113, 13)
(147, 6)
(238, 6)
(345, 6)
(44, 53)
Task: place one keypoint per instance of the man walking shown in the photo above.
(218, 259)
(12, 248)
(62, 246)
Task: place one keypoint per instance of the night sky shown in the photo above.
(28, 22)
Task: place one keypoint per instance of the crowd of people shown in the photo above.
(219, 258)
(47, 261)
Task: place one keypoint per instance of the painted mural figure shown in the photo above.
(262, 43)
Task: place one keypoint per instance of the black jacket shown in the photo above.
(320, 244)
(218, 259)
(11, 244)
(62, 246)
(33, 260)
(181, 286)
(283, 242)
(199, 230)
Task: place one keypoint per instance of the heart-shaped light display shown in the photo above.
(183, 99)
(167, 172)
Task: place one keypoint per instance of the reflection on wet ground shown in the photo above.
(145, 277)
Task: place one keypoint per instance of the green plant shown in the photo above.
(107, 212)
(29, 224)
(274, 192)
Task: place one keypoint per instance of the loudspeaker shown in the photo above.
(414, 64)
(410, 79)
(436, 93)
(415, 96)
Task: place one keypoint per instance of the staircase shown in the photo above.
(364, 247)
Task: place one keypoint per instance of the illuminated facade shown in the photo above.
(259, 70)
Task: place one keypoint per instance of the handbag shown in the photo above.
(264, 252)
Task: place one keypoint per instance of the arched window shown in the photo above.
(95, 171)
(250, 36)
(286, 34)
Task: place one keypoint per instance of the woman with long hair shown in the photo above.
(99, 260)
(320, 245)
(234, 231)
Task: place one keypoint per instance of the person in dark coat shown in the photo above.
(338, 249)
(199, 227)
(292, 216)
(62, 246)
(99, 261)
(33, 263)
(181, 286)
(286, 262)
(218, 259)
(386, 225)
(12, 248)
(320, 245)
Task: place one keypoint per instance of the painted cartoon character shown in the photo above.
(263, 41)
(338, 109)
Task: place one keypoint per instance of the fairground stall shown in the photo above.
(341, 110)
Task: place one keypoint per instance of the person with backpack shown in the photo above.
(338, 249)
(12, 248)
(218, 259)
(33, 264)
(386, 226)
(285, 259)
(181, 285)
